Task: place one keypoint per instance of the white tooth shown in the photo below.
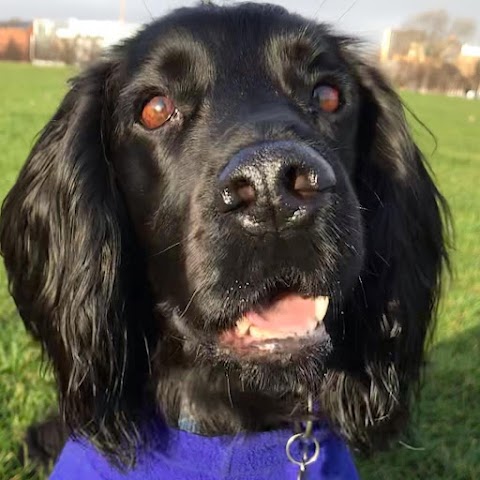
(269, 347)
(321, 306)
(312, 324)
(257, 332)
(242, 326)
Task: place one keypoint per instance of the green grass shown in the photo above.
(447, 427)
(28, 97)
(446, 436)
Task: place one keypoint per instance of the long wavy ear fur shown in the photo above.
(394, 306)
(64, 238)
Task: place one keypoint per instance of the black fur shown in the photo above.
(123, 267)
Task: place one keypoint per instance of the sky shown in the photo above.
(365, 18)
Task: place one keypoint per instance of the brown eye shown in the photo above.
(328, 98)
(157, 112)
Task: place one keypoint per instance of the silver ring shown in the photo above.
(304, 462)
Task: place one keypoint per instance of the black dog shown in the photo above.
(226, 215)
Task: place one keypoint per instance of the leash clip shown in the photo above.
(308, 441)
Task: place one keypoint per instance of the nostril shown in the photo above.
(237, 194)
(301, 182)
(245, 191)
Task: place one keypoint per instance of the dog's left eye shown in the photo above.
(328, 97)
(157, 112)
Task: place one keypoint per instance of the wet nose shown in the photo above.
(275, 185)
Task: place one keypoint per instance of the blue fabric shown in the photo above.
(180, 455)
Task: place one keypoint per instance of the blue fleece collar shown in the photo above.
(180, 455)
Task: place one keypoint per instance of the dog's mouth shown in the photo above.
(285, 323)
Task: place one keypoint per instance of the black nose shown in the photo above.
(275, 185)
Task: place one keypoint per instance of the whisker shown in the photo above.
(147, 350)
(319, 8)
(176, 337)
(387, 263)
(363, 291)
(229, 390)
(189, 302)
(147, 9)
(177, 244)
(346, 11)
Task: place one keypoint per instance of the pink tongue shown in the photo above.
(290, 313)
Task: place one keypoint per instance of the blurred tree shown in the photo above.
(439, 24)
(433, 22)
(14, 22)
(444, 35)
(463, 28)
(476, 77)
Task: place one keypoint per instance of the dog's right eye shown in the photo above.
(156, 112)
(328, 97)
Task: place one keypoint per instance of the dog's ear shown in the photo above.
(395, 301)
(63, 239)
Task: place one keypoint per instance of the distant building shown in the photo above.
(15, 40)
(76, 41)
(418, 62)
(69, 41)
(407, 45)
(469, 60)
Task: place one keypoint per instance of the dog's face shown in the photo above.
(236, 161)
(233, 193)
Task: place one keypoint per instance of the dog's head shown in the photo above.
(233, 193)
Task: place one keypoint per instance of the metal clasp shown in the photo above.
(307, 441)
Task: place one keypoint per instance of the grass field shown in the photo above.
(446, 440)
